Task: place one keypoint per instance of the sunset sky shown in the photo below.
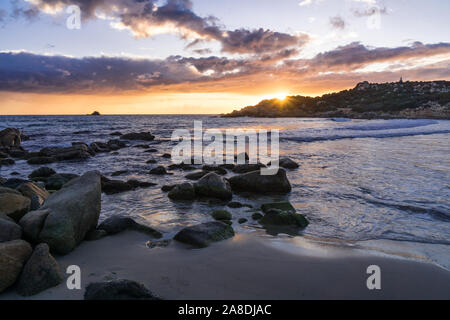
(209, 56)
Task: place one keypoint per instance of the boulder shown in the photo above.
(72, 213)
(158, 171)
(202, 235)
(282, 206)
(57, 181)
(281, 218)
(9, 190)
(36, 194)
(219, 170)
(41, 272)
(117, 224)
(32, 224)
(6, 162)
(43, 172)
(41, 160)
(14, 183)
(214, 186)
(117, 186)
(9, 230)
(76, 152)
(197, 175)
(144, 136)
(221, 215)
(167, 188)
(13, 255)
(10, 137)
(257, 216)
(245, 168)
(242, 220)
(237, 205)
(185, 191)
(118, 290)
(255, 182)
(288, 163)
(13, 205)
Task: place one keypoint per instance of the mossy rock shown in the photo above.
(284, 219)
(284, 206)
(221, 215)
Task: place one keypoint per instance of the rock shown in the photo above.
(9, 230)
(118, 290)
(280, 218)
(15, 173)
(144, 136)
(116, 133)
(41, 160)
(221, 215)
(229, 166)
(140, 184)
(10, 137)
(117, 224)
(95, 113)
(72, 213)
(202, 235)
(151, 161)
(197, 175)
(167, 188)
(118, 173)
(282, 206)
(182, 166)
(158, 244)
(32, 224)
(167, 155)
(245, 168)
(95, 235)
(43, 172)
(57, 181)
(237, 205)
(13, 255)
(41, 272)
(219, 170)
(214, 186)
(255, 182)
(6, 162)
(13, 183)
(9, 190)
(242, 220)
(288, 163)
(185, 191)
(116, 144)
(152, 150)
(257, 216)
(117, 186)
(158, 171)
(76, 152)
(100, 147)
(13, 205)
(36, 194)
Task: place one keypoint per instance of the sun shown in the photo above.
(279, 96)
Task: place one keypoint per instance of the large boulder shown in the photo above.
(72, 213)
(118, 290)
(10, 137)
(145, 136)
(258, 183)
(185, 191)
(214, 186)
(116, 224)
(40, 272)
(32, 224)
(13, 255)
(203, 234)
(9, 230)
(36, 194)
(14, 205)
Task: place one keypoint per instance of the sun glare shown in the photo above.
(280, 96)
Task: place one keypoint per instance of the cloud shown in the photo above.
(337, 22)
(368, 12)
(146, 18)
(28, 72)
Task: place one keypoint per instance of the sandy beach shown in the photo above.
(245, 267)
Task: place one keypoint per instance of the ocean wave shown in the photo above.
(377, 125)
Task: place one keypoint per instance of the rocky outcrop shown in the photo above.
(214, 186)
(203, 234)
(118, 290)
(71, 213)
(13, 255)
(257, 183)
(117, 224)
(41, 272)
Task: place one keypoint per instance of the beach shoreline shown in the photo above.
(244, 268)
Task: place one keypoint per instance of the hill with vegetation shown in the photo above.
(409, 99)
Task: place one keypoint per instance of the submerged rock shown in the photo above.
(185, 191)
(67, 215)
(144, 136)
(117, 224)
(255, 182)
(221, 215)
(13, 255)
(118, 290)
(203, 234)
(40, 272)
(281, 218)
(158, 171)
(282, 206)
(214, 186)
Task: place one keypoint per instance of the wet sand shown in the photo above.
(246, 267)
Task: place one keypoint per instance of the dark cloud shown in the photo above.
(337, 22)
(146, 18)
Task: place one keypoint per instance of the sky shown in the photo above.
(209, 56)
